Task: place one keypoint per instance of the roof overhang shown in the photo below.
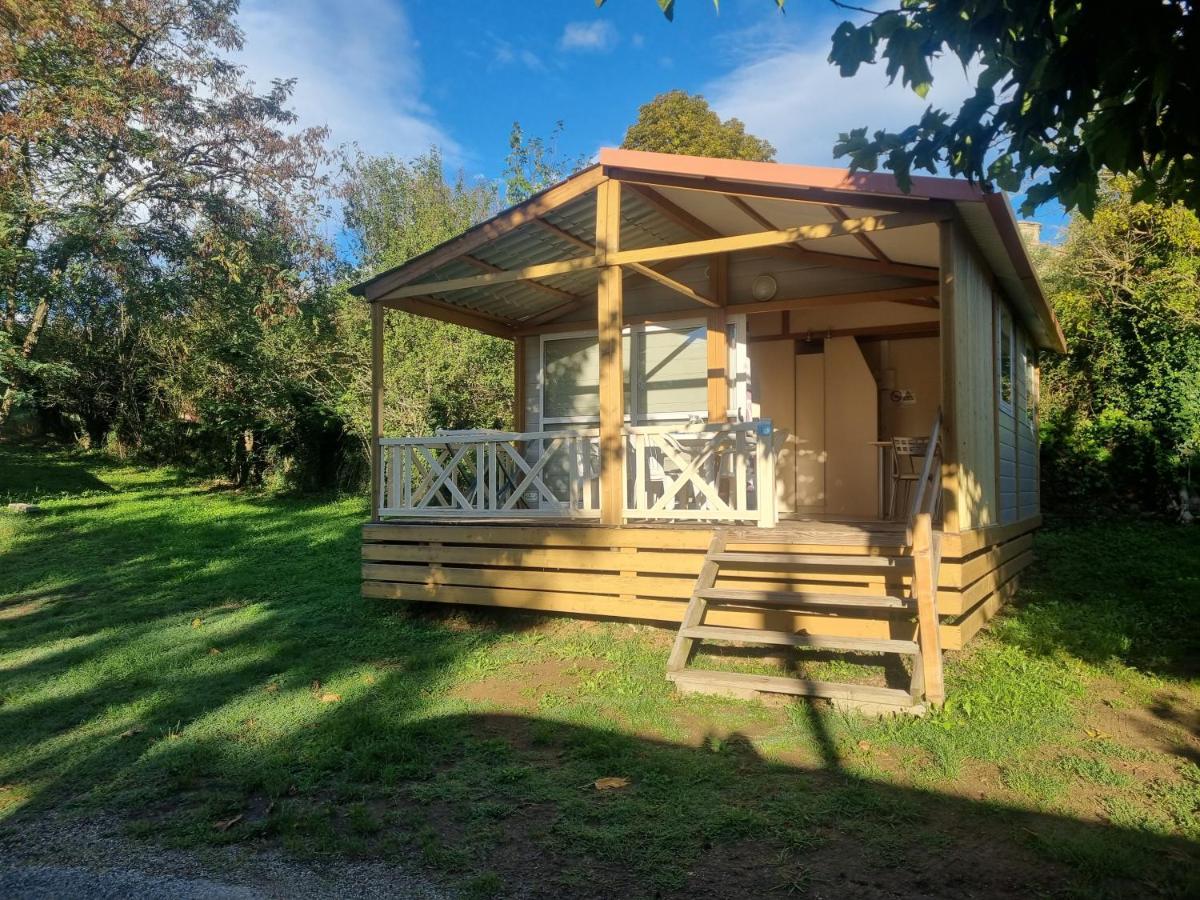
(528, 263)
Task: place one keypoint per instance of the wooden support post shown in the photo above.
(925, 566)
(519, 384)
(948, 340)
(377, 314)
(610, 318)
(718, 341)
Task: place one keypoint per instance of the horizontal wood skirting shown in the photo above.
(667, 612)
(956, 636)
(648, 573)
(958, 544)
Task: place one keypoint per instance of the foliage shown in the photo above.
(178, 656)
(156, 213)
(437, 375)
(534, 163)
(1063, 91)
(679, 122)
(1121, 412)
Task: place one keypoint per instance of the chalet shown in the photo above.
(769, 404)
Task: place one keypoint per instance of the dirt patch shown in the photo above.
(519, 687)
(1169, 724)
(847, 866)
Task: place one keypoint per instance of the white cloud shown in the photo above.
(597, 36)
(793, 97)
(504, 54)
(356, 67)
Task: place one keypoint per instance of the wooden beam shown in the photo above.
(474, 238)
(744, 207)
(432, 308)
(565, 236)
(872, 332)
(377, 323)
(818, 258)
(518, 384)
(777, 238)
(580, 244)
(950, 455)
(609, 320)
(560, 267)
(485, 266)
(677, 286)
(820, 196)
(869, 245)
(686, 249)
(925, 551)
(887, 295)
(673, 211)
(717, 341)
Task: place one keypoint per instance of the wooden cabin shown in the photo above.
(770, 404)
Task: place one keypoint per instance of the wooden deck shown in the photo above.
(646, 572)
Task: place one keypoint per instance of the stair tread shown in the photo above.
(814, 559)
(707, 678)
(798, 599)
(788, 639)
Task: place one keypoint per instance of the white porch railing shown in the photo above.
(708, 473)
(491, 474)
(704, 473)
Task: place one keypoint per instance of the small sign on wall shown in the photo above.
(903, 397)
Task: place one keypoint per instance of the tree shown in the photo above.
(125, 134)
(1121, 412)
(679, 122)
(535, 163)
(438, 375)
(1065, 89)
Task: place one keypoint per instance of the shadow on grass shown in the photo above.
(1125, 592)
(195, 660)
(29, 474)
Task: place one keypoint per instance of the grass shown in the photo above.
(198, 661)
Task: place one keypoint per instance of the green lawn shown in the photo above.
(198, 661)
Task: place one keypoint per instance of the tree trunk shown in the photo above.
(40, 315)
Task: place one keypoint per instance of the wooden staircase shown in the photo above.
(915, 567)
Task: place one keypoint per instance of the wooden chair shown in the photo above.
(908, 455)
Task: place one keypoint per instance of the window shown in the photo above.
(571, 378)
(671, 373)
(1005, 355)
(667, 366)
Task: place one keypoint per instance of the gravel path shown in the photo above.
(65, 859)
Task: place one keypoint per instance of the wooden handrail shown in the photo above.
(933, 450)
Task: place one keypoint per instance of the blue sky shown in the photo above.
(396, 76)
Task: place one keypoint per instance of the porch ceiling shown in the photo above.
(667, 205)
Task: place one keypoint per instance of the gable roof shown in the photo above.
(675, 199)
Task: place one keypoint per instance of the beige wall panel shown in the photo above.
(851, 425)
(773, 387)
(810, 432)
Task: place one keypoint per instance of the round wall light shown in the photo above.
(763, 287)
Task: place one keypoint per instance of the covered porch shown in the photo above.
(689, 348)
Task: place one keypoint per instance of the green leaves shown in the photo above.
(679, 122)
(1065, 90)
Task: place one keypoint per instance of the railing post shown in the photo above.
(764, 472)
(925, 576)
(377, 313)
(610, 319)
